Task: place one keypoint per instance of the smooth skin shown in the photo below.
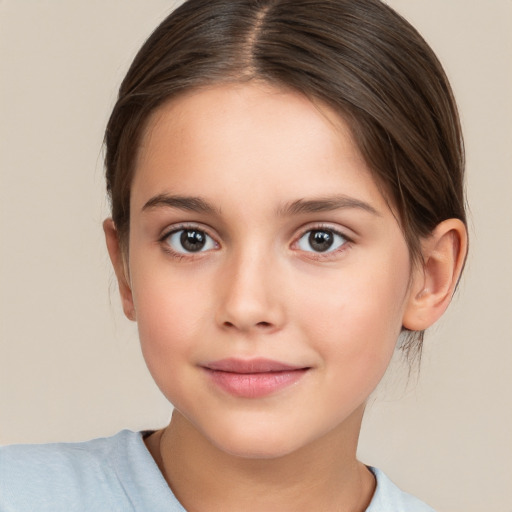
(255, 171)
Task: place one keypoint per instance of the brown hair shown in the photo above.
(357, 56)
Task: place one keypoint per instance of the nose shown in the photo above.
(250, 295)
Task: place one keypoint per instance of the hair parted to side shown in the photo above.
(359, 57)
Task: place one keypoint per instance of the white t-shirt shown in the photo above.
(116, 474)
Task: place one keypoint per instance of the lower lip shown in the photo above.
(255, 385)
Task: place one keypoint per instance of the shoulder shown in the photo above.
(389, 497)
(70, 476)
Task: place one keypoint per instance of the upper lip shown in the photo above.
(259, 365)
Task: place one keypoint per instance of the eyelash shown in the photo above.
(328, 254)
(183, 255)
(316, 255)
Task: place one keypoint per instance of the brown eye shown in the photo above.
(321, 240)
(190, 240)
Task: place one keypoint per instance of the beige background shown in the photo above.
(70, 367)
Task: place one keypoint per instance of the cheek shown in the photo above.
(355, 338)
(355, 315)
(170, 313)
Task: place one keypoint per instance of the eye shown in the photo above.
(189, 241)
(321, 240)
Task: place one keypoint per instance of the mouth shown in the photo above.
(254, 378)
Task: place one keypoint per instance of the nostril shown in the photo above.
(263, 325)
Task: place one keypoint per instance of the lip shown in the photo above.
(253, 378)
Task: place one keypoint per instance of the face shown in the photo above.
(267, 274)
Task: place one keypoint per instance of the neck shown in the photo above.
(323, 475)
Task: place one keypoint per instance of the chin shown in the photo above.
(256, 448)
(266, 442)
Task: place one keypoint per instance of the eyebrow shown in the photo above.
(300, 206)
(325, 204)
(190, 203)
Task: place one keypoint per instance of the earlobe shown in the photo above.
(120, 267)
(433, 284)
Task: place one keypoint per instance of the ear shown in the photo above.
(120, 267)
(434, 282)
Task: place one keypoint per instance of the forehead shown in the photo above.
(253, 139)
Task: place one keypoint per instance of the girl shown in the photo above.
(286, 183)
